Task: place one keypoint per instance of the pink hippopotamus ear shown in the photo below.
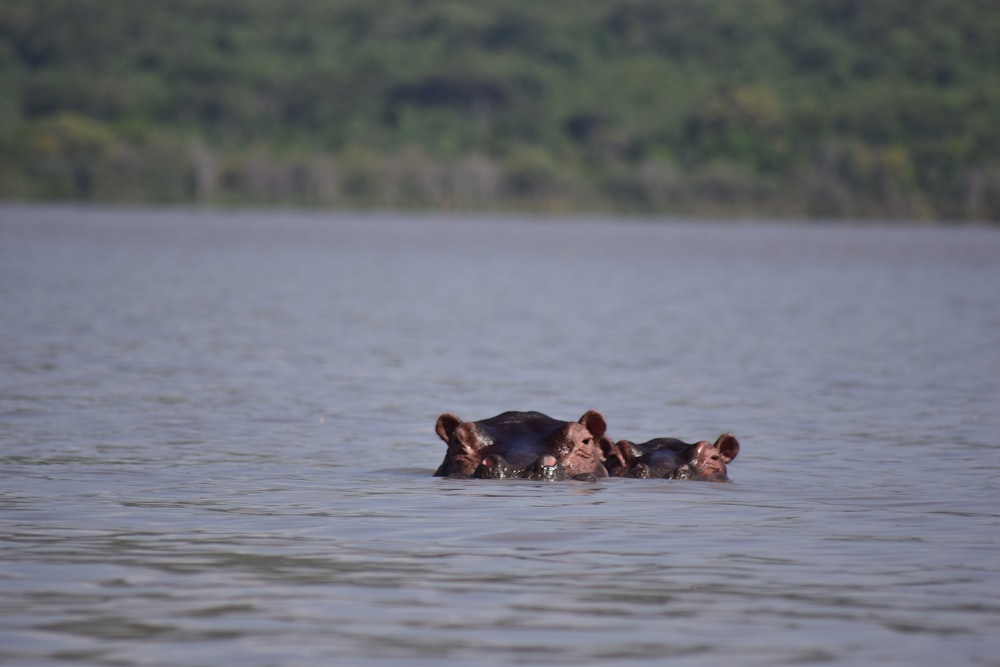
(609, 450)
(728, 446)
(459, 435)
(623, 452)
(465, 446)
(446, 426)
(595, 423)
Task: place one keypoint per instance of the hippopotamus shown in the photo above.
(671, 458)
(527, 445)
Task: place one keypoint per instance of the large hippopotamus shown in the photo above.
(523, 445)
(671, 458)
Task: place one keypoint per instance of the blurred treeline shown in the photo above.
(859, 108)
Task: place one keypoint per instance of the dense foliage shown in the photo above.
(826, 108)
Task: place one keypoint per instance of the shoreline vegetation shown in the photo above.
(778, 108)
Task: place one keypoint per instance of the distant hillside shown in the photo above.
(828, 108)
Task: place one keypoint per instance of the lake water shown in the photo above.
(216, 440)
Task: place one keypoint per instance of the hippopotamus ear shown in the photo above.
(460, 436)
(595, 423)
(446, 425)
(619, 454)
(728, 446)
(607, 447)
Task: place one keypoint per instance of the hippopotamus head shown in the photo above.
(671, 458)
(523, 445)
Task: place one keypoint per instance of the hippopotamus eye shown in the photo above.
(588, 441)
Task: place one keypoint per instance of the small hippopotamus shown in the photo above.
(671, 458)
(527, 445)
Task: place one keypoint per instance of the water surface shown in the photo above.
(216, 440)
